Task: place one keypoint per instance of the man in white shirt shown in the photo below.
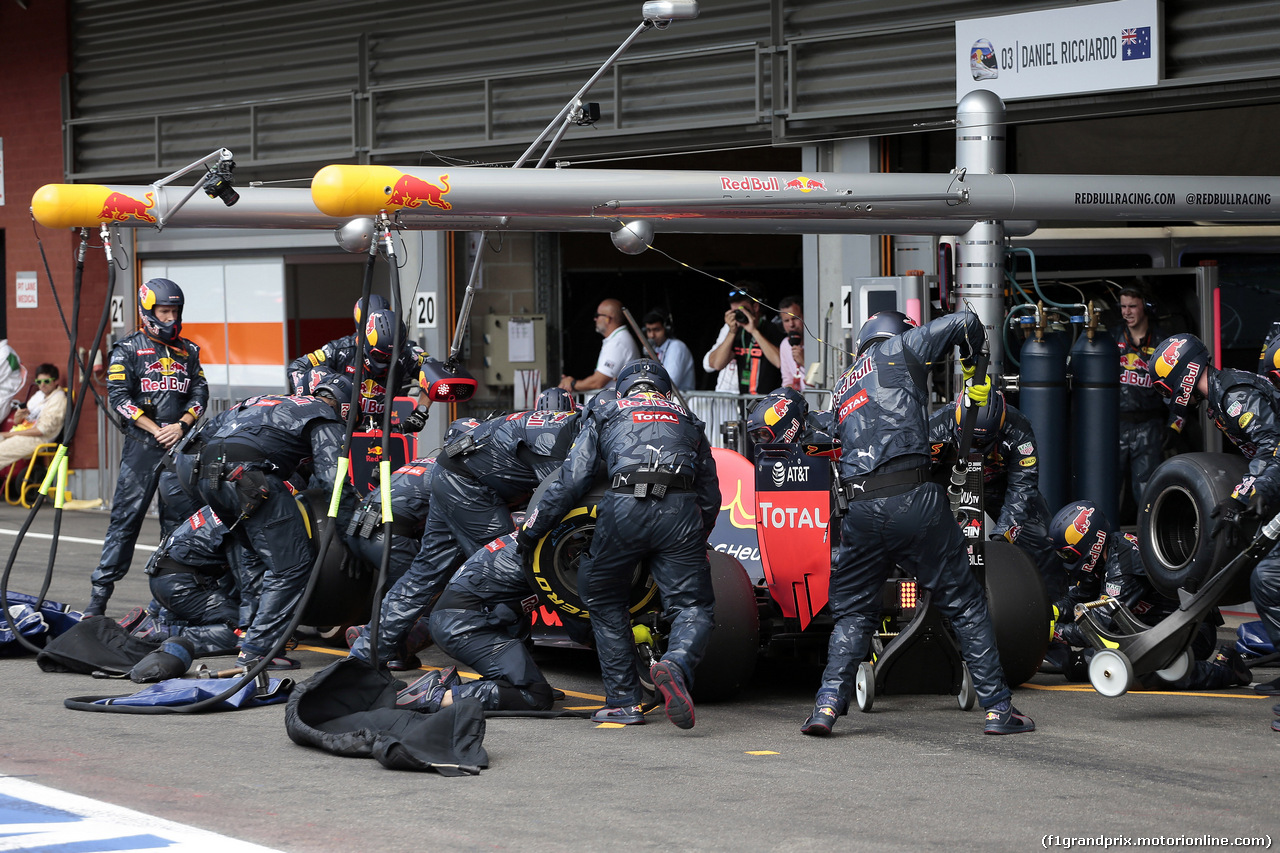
(618, 349)
(672, 352)
(791, 350)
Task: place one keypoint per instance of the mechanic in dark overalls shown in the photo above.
(1143, 417)
(156, 383)
(661, 505)
(341, 356)
(1246, 407)
(1010, 476)
(187, 575)
(1099, 558)
(783, 417)
(248, 453)
(482, 620)
(482, 474)
(897, 516)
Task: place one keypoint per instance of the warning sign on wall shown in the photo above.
(26, 290)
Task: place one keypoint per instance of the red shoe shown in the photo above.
(669, 681)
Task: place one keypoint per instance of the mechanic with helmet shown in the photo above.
(1011, 478)
(1246, 407)
(782, 417)
(1143, 418)
(248, 453)
(661, 506)
(897, 516)
(481, 621)
(155, 381)
(1098, 557)
(340, 356)
(485, 471)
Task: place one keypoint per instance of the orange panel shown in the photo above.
(251, 343)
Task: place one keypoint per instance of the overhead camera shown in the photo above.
(219, 184)
(585, 115)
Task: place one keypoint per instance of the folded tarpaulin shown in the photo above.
(348, 709)
(188, 691)
(97, 644)
(51, 620)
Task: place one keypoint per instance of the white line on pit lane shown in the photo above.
(7, 532)
(35, 817)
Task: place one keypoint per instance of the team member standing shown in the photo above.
(1143, 416)
(617, 350)
(661, 505)
(896, 516)
(156, 383)
(672, 352)
(248, 454)
(1246, 408)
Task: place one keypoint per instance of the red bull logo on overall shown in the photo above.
(371, 394)
(118, 207)
(173, 376)
(411, 192)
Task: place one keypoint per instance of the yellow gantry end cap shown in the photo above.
(70, 205)
(353, 190)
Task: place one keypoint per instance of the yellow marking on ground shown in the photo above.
(325, 650)
(611, 726)
(762, 752)
(1072, 688)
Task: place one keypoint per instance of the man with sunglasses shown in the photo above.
(618, 350)
(38, 422)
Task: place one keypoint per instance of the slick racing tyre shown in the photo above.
(552, 571)
(344, 592)
(1175, 526)
(1019, 610)
(730, 659)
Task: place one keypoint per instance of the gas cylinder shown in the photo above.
(1042, 397)
(1095, 422)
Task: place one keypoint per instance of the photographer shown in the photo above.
(752, 348)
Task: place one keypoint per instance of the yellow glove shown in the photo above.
(980, 394)
(1053, 622)
(968, 370)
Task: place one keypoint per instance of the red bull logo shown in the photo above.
(747, 182)
(118, 207)
(1169, 358)
(805, 185)
(411, 192)
(1132, 361)
(371, 394)
(776, 412)
(1079, 526)
(166, 367)
(173, 376)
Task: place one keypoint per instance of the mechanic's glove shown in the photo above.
(968, 370)
(1053, 622)
(525, 542)
(980, 394)
(1006, 536)
(1227, 513)
(415, 422)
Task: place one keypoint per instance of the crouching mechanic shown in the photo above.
(484, 472)
(187, 575)
(249, 451)
(661, 505)
(1246, 408)
(896, 516)
(481, 620)
(1097, 556)
(783, 417)
(1010, 476)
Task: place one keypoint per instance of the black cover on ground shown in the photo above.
(96, 644)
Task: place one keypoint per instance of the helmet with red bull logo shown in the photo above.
(881, 326)
(319, 382)
(379, 332)
(154, 294)
(1269, 362)
(643, 374)
(779, 417)
(1176, 365)
(1078, 534)
(377, 302)
(987, 423)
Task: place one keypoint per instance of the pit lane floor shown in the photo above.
(916, 774)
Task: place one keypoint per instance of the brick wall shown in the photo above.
(33, 60)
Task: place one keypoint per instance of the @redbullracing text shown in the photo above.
(1106, 842)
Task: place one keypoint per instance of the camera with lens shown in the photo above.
(218, 183)
(740, 316)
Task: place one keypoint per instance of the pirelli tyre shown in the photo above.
(1175, 525)
(731, 655)
(1019, 610)
(343, 593)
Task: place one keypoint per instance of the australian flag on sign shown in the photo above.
(1135, 43)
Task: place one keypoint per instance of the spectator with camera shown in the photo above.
(747, 344)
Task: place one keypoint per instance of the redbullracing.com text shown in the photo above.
(1106, 842)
